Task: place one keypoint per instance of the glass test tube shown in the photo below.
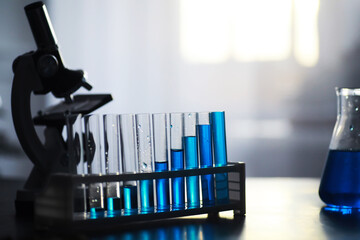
(191, 159)
(76, 157)
(94, 162)
(161, 158)
(177, 160)
(128, 157)
(220, 154)
(144, 148)
(206, 158)
(112, 160)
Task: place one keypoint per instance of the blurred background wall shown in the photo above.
(272, 65)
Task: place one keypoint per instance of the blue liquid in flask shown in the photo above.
(162, 187)
(207, 181)
(130, 198)
(340, 182)
(192, 182)
(178, 185)
(147, 195)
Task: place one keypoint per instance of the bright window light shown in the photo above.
(262, 30)
(213, 31)
(306, 44)
(204, 27)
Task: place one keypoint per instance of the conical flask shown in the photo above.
(340, 182)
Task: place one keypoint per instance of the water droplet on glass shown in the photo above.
(189, 115)
(356, 109)
(351, 127)
(139, 126)
(171, 126)
(144, 165)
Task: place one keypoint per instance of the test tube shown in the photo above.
(76, 158)
(161, 158)
(112, 160)
(177, 160)
(220, 154)
(206, 158)
(75, 143)
(191, 159)
(94, 163)
(128, 157)
(145, 158)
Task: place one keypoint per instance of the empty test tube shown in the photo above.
(191, 159)
(220, 154)
(74, 129)
(177, 160)
(112, 160)
(161, 158)
(94, 163)
(129, 163)
(145, 158)
(206, 158)
(76, 156)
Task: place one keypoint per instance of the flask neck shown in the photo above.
(346, 134)
(348, 105)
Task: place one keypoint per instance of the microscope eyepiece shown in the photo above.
(41, 26)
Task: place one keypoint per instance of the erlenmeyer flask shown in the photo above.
(340, 182)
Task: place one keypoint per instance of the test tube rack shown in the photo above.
(54, 207)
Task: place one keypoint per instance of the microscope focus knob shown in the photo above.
(47, 65)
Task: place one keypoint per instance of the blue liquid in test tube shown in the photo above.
(178, 184)
(160, 138)
(207, 181)
(191, 162)
(130, 198)
(177, 160)
(96, 212)
(220, 154)
(191, 159)
(112, 162)
(113, 203)
(147, 195)
(128, 157)
(145, 161)
(162, 187)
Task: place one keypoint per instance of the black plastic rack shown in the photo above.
(54, 207)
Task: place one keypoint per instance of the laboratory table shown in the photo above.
(277, 208)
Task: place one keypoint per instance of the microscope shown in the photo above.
(40, 72)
